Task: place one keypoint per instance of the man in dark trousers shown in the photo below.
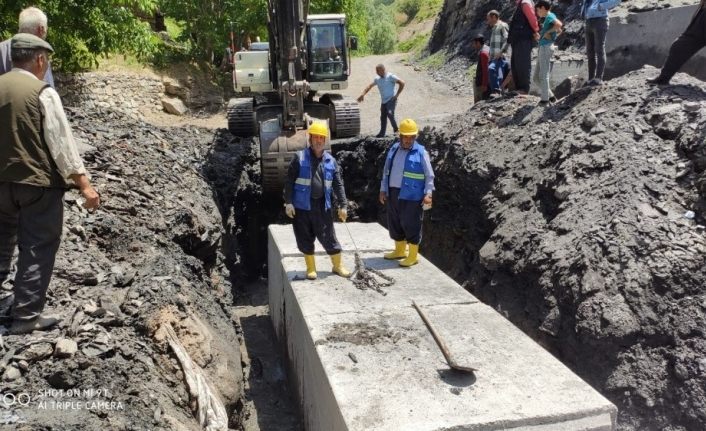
(312, 181)
(481, 87)
(386, 84)
(595, 12)
(38, 158)
(524, 29)
(686, 45)
(407, 185)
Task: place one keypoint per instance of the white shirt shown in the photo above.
(57, 132)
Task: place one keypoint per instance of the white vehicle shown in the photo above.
(294, 79)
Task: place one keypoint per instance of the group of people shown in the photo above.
(314, 187)
(495, 73)
(536, 23)
(39, 161)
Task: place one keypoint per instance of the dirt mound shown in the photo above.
(583, 223)
(149, 259)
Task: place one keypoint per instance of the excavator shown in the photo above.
(283, 90)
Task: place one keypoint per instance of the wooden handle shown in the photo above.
(439, 341)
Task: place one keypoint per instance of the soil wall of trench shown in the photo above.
(153, 256)
(582, 223)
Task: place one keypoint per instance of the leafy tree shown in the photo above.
(81, 31)
(410, 8)
(207, 23)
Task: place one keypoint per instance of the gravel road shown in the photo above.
(420, 93)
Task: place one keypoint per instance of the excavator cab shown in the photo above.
(328, 58)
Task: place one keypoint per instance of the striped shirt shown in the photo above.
(498, 39)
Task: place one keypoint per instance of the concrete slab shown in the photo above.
(364, 361)
(645, 38)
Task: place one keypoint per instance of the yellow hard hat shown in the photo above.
(318, 128)
(408, 127)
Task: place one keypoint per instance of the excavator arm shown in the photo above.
(287, 23)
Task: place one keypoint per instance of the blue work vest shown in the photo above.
(301, 197)
(413, 175)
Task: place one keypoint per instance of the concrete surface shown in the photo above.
(644, 38)
(363, 361)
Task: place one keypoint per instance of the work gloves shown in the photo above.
(426, 203)
(343, 214)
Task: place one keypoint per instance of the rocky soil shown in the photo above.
(583, 223)
(149, 258)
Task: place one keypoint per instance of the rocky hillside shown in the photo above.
(583, 223)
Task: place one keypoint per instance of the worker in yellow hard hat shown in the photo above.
(313, 180)
(407, 186)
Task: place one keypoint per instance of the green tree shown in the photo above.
(81, 31)
(207, 23)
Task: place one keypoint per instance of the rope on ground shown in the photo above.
(365, 278)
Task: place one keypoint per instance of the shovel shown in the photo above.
(442, 345)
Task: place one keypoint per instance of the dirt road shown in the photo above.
(428, 102)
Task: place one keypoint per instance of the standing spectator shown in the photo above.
(407, 185)
(595, 12)
(38, 157)
(313, 179)
(551, 28)
(686, 45)
(32, 21)
(481, 89)
(386, 85)
(499, 67)
(523, 30)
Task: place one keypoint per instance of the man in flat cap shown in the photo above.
(33, 21)
(38, 159)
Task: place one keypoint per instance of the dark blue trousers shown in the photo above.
(404, 218)
(315, 224)
(31, 219)
(497, 71)
(387, 110)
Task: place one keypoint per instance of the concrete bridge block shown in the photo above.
(360, 360)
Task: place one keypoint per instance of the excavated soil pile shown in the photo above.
(149, 259)
(583, 223)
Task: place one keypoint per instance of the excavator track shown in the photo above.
(241, 117)
(346, 114)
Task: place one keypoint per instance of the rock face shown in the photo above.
(584, 224)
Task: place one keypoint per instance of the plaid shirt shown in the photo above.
(498, 39)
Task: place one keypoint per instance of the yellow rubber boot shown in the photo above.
(338, 267)
(400, 251)
(411, 259)
(310, 266)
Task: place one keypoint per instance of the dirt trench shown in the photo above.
(583, 224)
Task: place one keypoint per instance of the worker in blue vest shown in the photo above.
(313, 180)
(407, 186)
